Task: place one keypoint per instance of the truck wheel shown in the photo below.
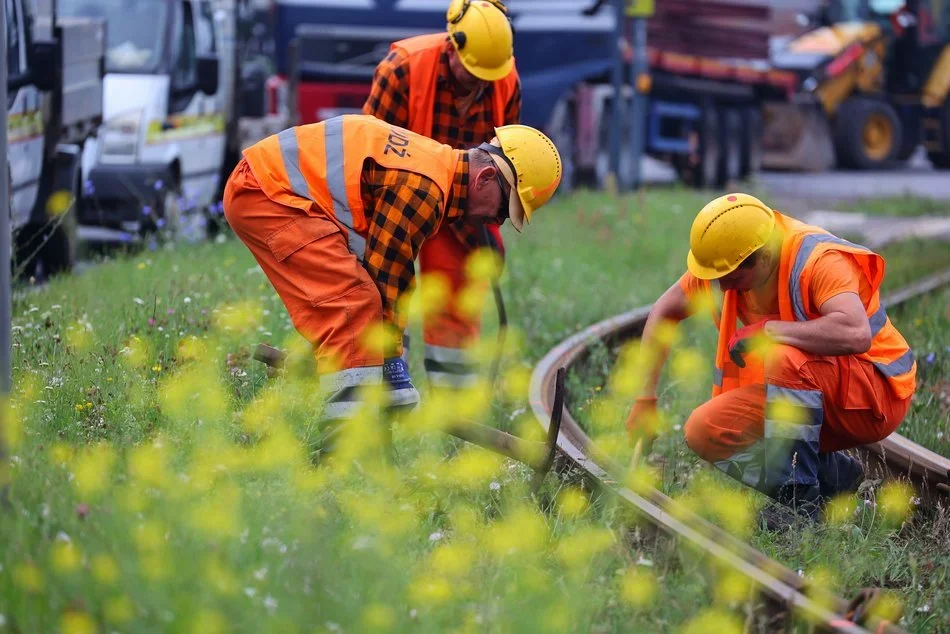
(700, 168)
(941, 160)
(730, 140)
(867, 133)
(752, 149)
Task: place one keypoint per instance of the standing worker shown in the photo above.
(335, 214)
(816, 368)
(456, 88)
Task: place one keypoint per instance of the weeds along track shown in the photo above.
(782, 590)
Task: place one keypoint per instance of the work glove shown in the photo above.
(403, 396)
(642, 423)
(743, 340)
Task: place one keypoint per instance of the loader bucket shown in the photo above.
(797, 138)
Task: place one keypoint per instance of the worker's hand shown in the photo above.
(742, 341)
(641, 422)
(403, 395)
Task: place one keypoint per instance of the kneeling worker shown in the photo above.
(335, 214)
(832, 372)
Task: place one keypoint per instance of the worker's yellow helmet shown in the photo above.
(725, 232)
(482, 36)
(530, 164)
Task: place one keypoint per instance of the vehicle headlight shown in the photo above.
(119, 137)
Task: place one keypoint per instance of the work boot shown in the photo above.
(796, 503)
(838, 473)
(403, 396)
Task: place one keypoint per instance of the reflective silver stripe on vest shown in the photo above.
(290, 152)
(804, 251)
(717, 377)
(878, 320)
(901, 365)
(336, 178)
(336, 182)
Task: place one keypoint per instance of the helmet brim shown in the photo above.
(705, 272)
(516, 209)
(487, 74)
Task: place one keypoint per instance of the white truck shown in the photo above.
(54, 105)
(171, 132)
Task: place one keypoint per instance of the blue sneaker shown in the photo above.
(402, 393)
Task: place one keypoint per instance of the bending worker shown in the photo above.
(335, 214)
(817, 367)
(456, 88)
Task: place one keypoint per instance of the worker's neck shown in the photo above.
(774, 260)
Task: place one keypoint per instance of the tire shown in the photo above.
(867, 133)
(941, 160)
(700, 169)
(730, 140)
(753, 132)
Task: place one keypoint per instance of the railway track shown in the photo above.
(783, 591)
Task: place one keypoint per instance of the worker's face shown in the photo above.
(752, 273)
(465, 79)
(487, 197)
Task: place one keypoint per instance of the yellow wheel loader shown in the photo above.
(874, 77)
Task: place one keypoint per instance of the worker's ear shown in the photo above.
(484, 177)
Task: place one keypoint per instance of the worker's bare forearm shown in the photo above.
(834, 334)
(670, 309)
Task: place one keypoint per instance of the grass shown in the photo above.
(160, 482)
(899, 206)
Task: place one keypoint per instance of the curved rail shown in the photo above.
(782, 587)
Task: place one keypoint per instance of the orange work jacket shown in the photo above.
(423, 52)
(801, 248)
(322, 163)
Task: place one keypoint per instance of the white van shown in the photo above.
(168, 130)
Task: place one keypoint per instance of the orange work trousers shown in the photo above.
(331, 298)
(448, 332)
(843, 402)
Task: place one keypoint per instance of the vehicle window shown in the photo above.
(13, 41)
(204, 29)
(184, 58)
(134, 29)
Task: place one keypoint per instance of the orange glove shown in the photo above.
(641, 422)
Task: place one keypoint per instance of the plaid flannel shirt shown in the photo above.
(389, 101)
(404, 209)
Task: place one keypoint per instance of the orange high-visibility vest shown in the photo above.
(423, 52)
(322, 163)
(801, 248)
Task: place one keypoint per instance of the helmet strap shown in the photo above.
(497, 151)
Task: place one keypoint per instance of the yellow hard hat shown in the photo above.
(482, 36)
(725, 232)
(530, 164)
